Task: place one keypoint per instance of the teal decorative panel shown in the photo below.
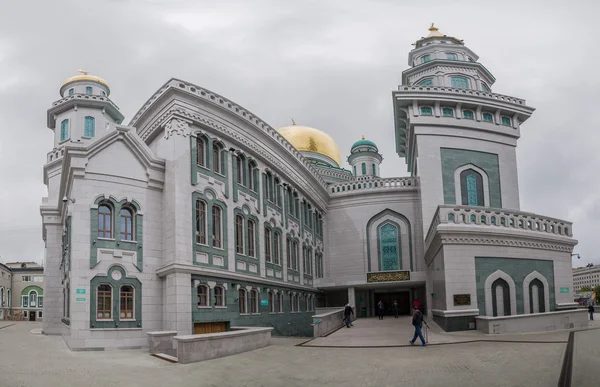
(89, 126)
(447, 112)
(426, 111)
(454, 158)
(460, 82)
(488, 117)
(468, 114)
(388, 236)
(64, 130)
(472, 190)
(506, 121)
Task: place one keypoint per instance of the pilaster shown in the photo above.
(53, 290)
(177, 311)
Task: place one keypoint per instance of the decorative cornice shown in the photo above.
(177, 126)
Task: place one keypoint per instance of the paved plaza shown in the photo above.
(31, 360)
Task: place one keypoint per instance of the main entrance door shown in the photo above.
(403, 299)
(32, 315)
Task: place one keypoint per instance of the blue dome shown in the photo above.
(364, 142)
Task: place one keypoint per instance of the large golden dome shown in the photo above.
(305, 138)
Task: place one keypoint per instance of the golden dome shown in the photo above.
(305, 138)
(84, 76)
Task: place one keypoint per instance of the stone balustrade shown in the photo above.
(327, 321)
(495, 217)
(466, 92)
(371, 184)
(80, 97)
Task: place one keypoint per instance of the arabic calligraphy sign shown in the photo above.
(386, 276)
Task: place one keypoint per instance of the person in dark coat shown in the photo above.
(395, 309)
(417, 322)
(348, 312)
(591, 310)
(380, 309)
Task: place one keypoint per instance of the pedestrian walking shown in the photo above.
(416, 304)
(395, 309)
(591, 310)
(380, 309)
(348, 312)
(417, 322)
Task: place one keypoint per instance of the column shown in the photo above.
(352, 298)
(177, 290)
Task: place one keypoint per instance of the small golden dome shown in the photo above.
(84, 76)
(305, 138)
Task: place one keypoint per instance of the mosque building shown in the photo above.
(198, 216)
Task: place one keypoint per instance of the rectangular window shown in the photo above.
(251, 239)
(253, 301)
(459, 82)
(104, 302)
(506, 121)
(127, 311)
(200, 222)
(88, 90)
(426, 58)
(276, 244)
(267, 244)
(40, 301)
(219, 296)
(64, 130)
(202, 295)
(468, 114)
(200, 152)
(447, 112)
(488, 117)
(26, 278)
(451, 56)
(24, 301)
(216, 227)
(242, 301)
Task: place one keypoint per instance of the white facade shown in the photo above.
(226, 222)
(586, 277)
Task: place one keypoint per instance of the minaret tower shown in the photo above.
(84, 111)
(457, 136)
(365, 158)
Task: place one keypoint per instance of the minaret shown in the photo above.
(84, 111)
(365, 158)
(456, 135)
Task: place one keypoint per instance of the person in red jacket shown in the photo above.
(416, 304)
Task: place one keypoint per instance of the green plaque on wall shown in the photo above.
(264, 302)
(564, 290)
(80, 298)
(80, 291)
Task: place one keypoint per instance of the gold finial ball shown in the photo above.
(363, 137)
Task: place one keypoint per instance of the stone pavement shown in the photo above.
(30, 360)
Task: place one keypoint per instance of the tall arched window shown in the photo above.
(201, 151)
(501, 298)
(388, 239)
(104, 302)
(239, 234)
(200, 222)
(127, 311)
(267, 244)
(2, 296)
(219, 296)
(126, 220)
(89, 126)
(202, 295)
(88, 90)
(536, 297)
(374, 172)
(364, 169)
(271, 302)
(104, 221)
(239, 166)
(254, 301)
(276, 244)
(251, 172)
(242, 301)
(288, 252)
(459, 82)
(64, 130)
(292, 303)
(295, 254)
(355, 170)
(471, 188)
(251, 239)
(216, 227)
(278, 303)
(217, 167)
(9, 301)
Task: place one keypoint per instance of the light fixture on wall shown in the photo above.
(576, 255)
(68, 199)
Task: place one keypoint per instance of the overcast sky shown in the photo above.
(328, 64)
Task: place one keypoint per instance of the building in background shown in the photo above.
(21, 291)
(588, 276)
(198, 215)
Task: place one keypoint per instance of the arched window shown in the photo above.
(104, 302)
(296, 205)
(126, 218)
(242, 301)
(536, 297)
(277, 197)
(355, 170)
(2, 296)
(447, 112)
(471, 188)
(276, 248)
(217, 227)
(71, 91)
(239, 166)
(388, 239)
(104, 221)
(239, 234)
(506, 121)
(269, 186)
(488, 117)
(451, 56)
(202, 295)
(278, 303)
(297, 303)
(200, 222)
(426, 82)
(459, 82)
(288, 252)
(267, 244)
(251, 239)
(426, 58)
(468, 114)
(88, 90)
(9, 301)
(364, 169)
(217, 167)
(127, 311)
(271, 302)
(219, 296)
(89, 126)
(485, 87)
(292, 303)
(201, 151)
(426, 111)
(501, 298)
(295, 255)
(254, 301)
(251, 177)
(64, 130)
